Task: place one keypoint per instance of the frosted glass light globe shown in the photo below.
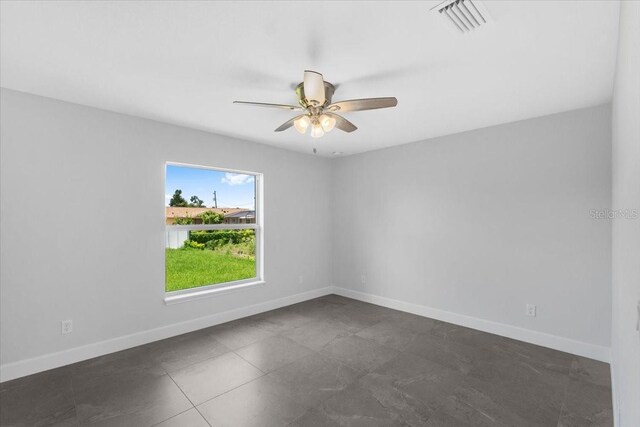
(316, 131)
(302, 124)
(328, 123)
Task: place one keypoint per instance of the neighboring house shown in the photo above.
(241, 217)
(173, 212)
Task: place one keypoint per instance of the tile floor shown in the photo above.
(331, 361)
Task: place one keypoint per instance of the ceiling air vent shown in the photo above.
(464, 15)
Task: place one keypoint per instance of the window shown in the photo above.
(213, 229)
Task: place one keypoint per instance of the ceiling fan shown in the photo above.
(314, 96)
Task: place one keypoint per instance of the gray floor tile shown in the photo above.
(358, 353)
(390, 334)
(205, 380)
(190, 418)
(56, 376)
(520, 378)
(122, 399)
(273, 352)
(318, 307)
(533, 355)
(314, 378)
(240, 333)
(361, 406)
(472, 405)
(372, 308)
(314, 418)
(325, 302)
(318, 333)
(415, 400)
(125, 388)
(591, 371)
(412, 322)
(38, 400)
(356, 318)
(263, 402)
(282, 319)
(425, 381)
(511, 402)
(135, 361)
(466, 336)
(586, 404)
(459, 412)
(449, 353)
(336, 299)
(184, 350)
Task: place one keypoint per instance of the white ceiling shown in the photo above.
(185, 62)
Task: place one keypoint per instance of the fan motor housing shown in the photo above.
(329, 89)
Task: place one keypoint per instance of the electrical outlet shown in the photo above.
(363, 278)
(531, 310)
(66, 326)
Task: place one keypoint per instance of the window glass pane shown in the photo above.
(207, 257)
(199, 196)
(208, 196)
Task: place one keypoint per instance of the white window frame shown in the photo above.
(203, 291)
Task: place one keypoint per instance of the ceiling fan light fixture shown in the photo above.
(316, 131)
(302, 123)
(315, 99)
(327, 123)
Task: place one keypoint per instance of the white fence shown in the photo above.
(176, 238)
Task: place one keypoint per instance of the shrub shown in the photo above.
(213, 244)
(190, 244)
(247, 235)
(183, 221)
(211, 217)
(223, 236)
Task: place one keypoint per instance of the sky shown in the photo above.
(233, 190)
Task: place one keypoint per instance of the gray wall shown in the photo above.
(626, 232)
(82, 223)
(483, 222)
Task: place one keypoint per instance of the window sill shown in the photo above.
(208, 293)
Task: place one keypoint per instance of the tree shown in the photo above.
(177, 200)
(196, 202)
(183, 221)
(211, 217)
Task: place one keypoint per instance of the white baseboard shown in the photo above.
(45, 362)
(555, 342)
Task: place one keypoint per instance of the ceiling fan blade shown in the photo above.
(342, 123)
(362, 104)
(263, 104)
(286, 125)
(314, 87)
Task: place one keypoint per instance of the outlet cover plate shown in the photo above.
(531, 310)
(66, 327)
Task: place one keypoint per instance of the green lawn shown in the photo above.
(191, 268)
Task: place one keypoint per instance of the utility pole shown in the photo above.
(215, 200)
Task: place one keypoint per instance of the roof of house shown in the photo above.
(242, 214)
(180, 212)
